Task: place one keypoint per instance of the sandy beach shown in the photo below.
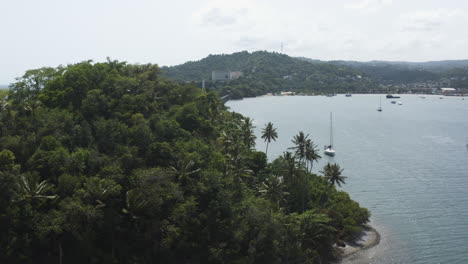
(366, 239)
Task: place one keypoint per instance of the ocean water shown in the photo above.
(408, 164)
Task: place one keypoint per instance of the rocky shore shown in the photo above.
(364, 240)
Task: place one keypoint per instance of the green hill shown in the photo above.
(432, 74)
(264, 72)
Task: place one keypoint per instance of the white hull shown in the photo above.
(330, 152)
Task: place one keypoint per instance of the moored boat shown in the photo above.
(329, 149)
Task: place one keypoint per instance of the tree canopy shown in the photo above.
(112, 163)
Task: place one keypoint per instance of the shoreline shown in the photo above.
(368, 238)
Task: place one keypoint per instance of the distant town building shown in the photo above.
(448, 90)
(225, 75)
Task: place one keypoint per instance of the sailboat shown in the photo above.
(329, 149)
(380, 107)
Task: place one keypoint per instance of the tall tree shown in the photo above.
(311, 153)
(332, 173)
(248, 135)
(268, 134)
(300, 142)
(274, 190)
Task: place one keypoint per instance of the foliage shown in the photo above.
(264, 72)
(111, 163)
(268, 134)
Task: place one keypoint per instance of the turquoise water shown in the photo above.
(408, 164)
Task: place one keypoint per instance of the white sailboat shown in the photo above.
(380, 107)
(329, 149)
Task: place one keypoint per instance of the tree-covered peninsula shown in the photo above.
(111, 163)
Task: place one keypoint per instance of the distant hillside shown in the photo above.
(392, 72)
(432, 74)
(264, 72)
(3, 86)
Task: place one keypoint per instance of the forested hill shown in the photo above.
(452, 73)
(112, 163)
(271, 72)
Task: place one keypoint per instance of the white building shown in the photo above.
(225, 75)
(448, 90)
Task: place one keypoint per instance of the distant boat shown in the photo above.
(393, 102)
(423, 97)
(348, 95)
(389, 96)
(329, 149)
(400, 103)
(380, 107)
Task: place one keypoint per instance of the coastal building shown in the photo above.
(448, 90)
(225, 75)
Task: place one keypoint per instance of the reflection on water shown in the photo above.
(408, 164)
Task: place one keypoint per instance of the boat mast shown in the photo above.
(331, 130)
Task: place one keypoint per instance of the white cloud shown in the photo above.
(427, 20)
(219, 13)
(368, 6)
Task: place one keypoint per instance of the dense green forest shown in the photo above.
(434, 73)
(269, 72)
(112, 163)
(264, 72)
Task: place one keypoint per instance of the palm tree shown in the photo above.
(300, 140)
(332, 173)
(274, 190)
(31, 187)
(184, 169)
(248, 135)
(269, 133)
(135, 202)
(290, 163)
(311, 153)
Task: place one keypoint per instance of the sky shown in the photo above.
(49, 33)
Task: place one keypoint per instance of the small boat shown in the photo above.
(393, 102)
(329, 149)
(389, 96)
(400, 103)
(348, 95)
(380, 107)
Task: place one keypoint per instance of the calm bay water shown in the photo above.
(408, 164)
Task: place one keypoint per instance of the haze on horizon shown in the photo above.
(52, 32)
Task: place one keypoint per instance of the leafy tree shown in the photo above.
(333, 173)
(300, 141)
(311, 153)
(248, 135)
(111, 163)
(274, 190)
(30, 186)
(269, 133)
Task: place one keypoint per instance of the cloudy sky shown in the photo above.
(53, 32)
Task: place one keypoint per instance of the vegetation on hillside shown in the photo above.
(265, 72)
(433, 74)
(111, 163)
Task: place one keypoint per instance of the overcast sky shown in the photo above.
(52, 32)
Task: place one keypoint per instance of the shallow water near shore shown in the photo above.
(408, 164)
